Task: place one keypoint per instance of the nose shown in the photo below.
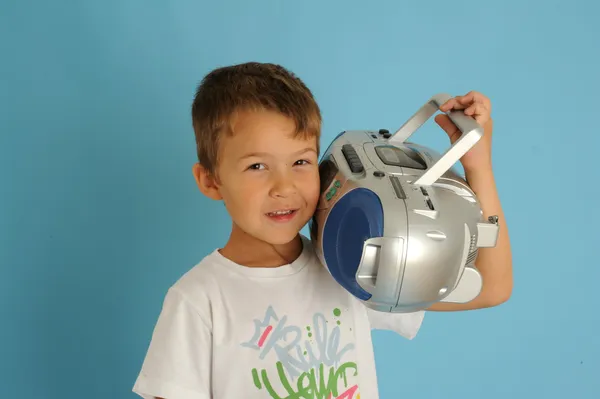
(283, 185)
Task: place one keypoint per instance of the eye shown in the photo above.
(302, 162)
(255, 166)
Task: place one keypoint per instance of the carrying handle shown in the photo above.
(471, 132)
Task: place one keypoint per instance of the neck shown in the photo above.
(250, 251)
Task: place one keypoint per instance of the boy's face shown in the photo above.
(268, 180)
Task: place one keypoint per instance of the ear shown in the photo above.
(206, 182)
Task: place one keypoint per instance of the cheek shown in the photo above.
(244, 192)
(312, 189)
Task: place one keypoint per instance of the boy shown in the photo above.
(260, 317)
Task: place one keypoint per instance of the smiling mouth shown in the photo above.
(283, 212)
(282, 215)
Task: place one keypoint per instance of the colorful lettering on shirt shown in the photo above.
(307, 366)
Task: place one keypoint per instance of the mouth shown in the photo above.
(282, 215)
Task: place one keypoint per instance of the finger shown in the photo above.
(448, 105)
(475, 109)
(451, 104)
(476, 97)
(448, 126)
(478, 111)
(459, 102)
(474, 103)
(463, 102)
(468, 98)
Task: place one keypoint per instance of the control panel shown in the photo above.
(352, 158)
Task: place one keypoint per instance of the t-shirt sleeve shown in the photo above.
(405, 324)
(178, 361)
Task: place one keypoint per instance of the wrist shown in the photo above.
(483, 171)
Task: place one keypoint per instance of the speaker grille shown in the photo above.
(472, 250)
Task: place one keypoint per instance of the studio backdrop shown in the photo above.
(100, 214)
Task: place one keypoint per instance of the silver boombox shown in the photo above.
(396, 226)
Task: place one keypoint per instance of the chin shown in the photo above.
(281, 238)
(277, 236)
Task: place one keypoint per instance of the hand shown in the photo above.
(479, 107)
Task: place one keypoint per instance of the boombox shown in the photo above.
(396, 225)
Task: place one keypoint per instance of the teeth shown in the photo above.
(281, 212)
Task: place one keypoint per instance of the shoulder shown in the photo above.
(197, 281)
(191, 293)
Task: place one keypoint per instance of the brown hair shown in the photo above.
(249, 86)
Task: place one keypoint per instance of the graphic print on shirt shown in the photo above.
(309, 358)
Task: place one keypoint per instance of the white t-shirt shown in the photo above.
(227, 332)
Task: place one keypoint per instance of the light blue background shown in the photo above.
(100, 213)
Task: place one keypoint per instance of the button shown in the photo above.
(337, 184)
(397, 187)
(378, 173)
(430, 204)
(387, 135)
(383, 131)
(352, 158)
(331, 193)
